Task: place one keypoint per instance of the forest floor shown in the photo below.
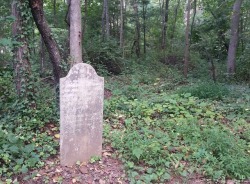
(108, 170)
(154, 134)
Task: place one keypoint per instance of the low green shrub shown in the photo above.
(7, 94)
(206, 90)
(243, 72)
(243, 65)
(229, 152)
(104, 55)
(16, 155)
(25, 138)
(178, 134)
(25, 141)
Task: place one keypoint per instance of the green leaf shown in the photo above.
(5, 42)
(184, 173)
(130, 164)
(24, 169)
(137, 152)
(186, 95)
(29, 148)
(19, 161)
(14, 149)
(166, 176)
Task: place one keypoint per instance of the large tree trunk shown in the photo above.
(234, 37)
(164, 26)
(21, 60)
(42, 57)
(121, 25)
(144, 12)
(117, 27)
(193, 20)
(67, 21)
(186, 56)
(105, 20)
(43, 27)
(75, 31)
(112, 25)
(136, 44)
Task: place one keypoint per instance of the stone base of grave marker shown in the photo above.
(81, 114)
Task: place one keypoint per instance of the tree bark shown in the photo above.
(193, 20)
(117, 34)
(186, 56)
(164, 26)
(50, 43)
(42, 57)
(67, 20)
(75, 31)
(21, 61)
(105, 20)
(212, 68)
(241, 31)
(121, 25)
(234, 37)
(144, 11)
(136, 44)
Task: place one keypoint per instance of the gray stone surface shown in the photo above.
(81, 114)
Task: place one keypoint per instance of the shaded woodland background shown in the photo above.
(195, 34)
(199, 49)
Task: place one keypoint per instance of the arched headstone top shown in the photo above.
(82, 71)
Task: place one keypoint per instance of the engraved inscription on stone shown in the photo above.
(81, 114)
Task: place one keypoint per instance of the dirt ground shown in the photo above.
(108, 170)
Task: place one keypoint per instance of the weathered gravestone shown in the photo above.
(81, 114)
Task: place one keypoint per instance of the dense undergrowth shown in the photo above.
(160, 124)
(26, 127)
(163, 126)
